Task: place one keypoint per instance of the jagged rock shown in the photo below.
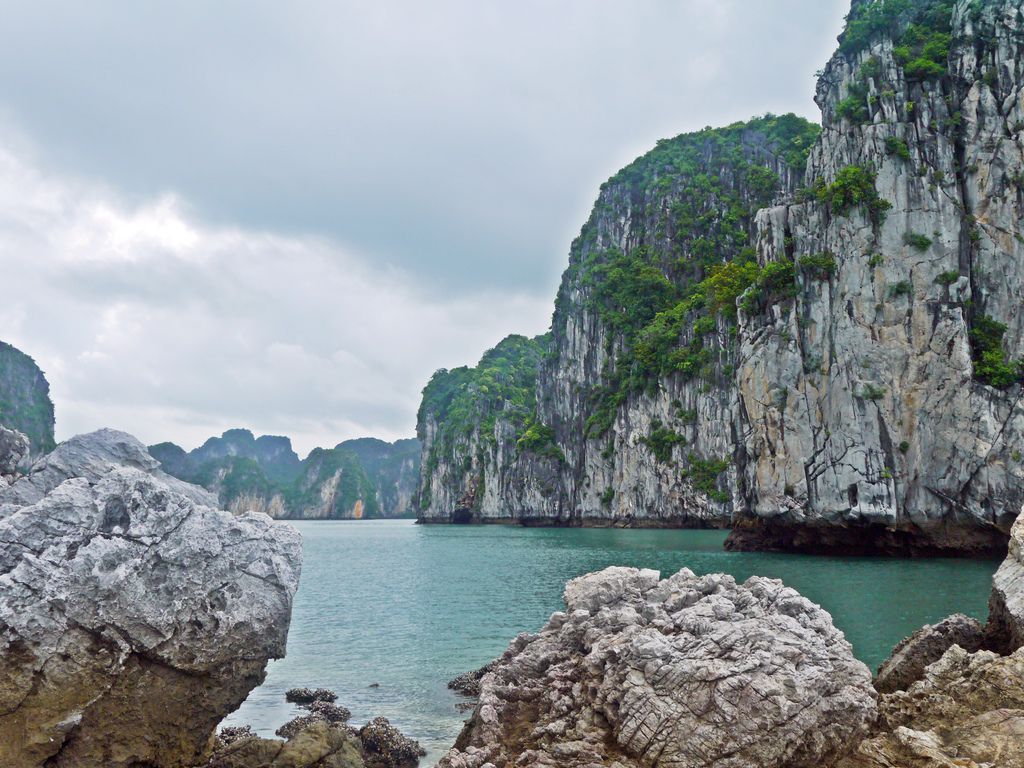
(309, 695)
(91, 457)
(320, 745)
(468, 683)
(132, 618)
(907, 663)
(14, 447)
(694, 671)
(230, 734)
(384, 746)
(966, 712)
(1006, 605)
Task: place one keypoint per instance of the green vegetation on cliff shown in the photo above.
(467, 401)
(692, 200)
(368, 475)
(25, 403)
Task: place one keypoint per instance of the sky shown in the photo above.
(286, 216)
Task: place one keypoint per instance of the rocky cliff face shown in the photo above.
(630, 406)
(355, 479)
(839, 370)
(880, 406)
(133, 617)
(25, 403)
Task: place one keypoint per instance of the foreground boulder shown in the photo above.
(1006, 606)
(132, 616)
(688, 671)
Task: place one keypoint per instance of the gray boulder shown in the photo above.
(133, 618)
(91, 457)
(694, 671)
(907, 663)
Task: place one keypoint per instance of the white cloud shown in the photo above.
(151, 322)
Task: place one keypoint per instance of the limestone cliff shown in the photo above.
(825, 356)
(880, 406)
(355, 479)
(625, 412)
(25, 403)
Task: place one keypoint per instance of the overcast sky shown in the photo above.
(285, 216)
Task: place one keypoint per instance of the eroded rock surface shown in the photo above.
(1006, 606)
(14, 447)
(132, 617)
(966, 712)
(907, 663)
(688, 671)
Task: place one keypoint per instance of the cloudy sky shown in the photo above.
(285, 216)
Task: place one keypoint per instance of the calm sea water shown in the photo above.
(388, 611)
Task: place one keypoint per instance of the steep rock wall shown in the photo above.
(865, 423)
(630, 419)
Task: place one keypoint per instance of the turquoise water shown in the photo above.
(408, 607)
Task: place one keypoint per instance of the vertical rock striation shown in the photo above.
(826, 355)
(880, 406)
(624, 414)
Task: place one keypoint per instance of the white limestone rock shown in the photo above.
(694, 671)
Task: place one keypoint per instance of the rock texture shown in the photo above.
(966, 712)
(691, 195)
(14, 447)
(25, 403)
(863, 428)
(870, 401)
(355, 479)
(133, 616)
(907, 663)
(684, 671)
(1006, 605)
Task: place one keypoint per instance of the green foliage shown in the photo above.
(540, 440)
(991, 365)
(607, 497)
(854, 187)
(924, 51)
(920, 29)
(628, 290)
(854, 106)
(820, 266)
(917, 241)
(902, 288)
(25, 403)
(904, 446)
(662, 440)
(876, 260)
(703, 474)
(872, 392)
(466, 401)
(726, 283)
(898, 147)
(947, 278)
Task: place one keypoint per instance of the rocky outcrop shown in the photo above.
(624, 414)
(25, 403)
(857, 389)
(320, 739)
(909, 659)
(355, 479)
(880, 407)
(695, 671)
(133, 615)
(1006, 605)
(966, 712)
